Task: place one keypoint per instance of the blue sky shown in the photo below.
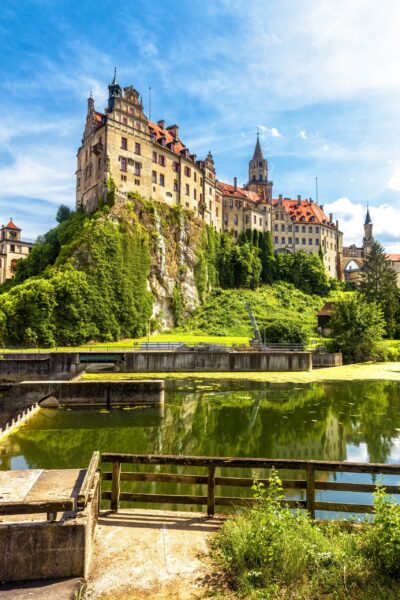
(320, 79)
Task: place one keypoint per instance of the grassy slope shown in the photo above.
(224, 312)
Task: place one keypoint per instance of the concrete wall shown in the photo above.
(90, 393)
(36, 367)
(158, 362)
(48, 550)
(327, 359)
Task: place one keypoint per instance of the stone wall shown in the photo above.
(327, 359)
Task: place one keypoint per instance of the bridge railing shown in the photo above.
(309, 484)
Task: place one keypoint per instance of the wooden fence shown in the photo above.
(309, 484)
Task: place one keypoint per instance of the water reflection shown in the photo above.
(328, 421)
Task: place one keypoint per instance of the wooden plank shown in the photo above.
(338, 507)
(311, 490)
(159, 477)
(87, 483)
(255, 463)
(115, 486)
(211, 492)
(354, 487)
(158, 498)
(30, 508)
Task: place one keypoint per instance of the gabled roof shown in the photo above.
(304, 211)
(160, 133)
(393, 257)
(328, 309)
(240, 193)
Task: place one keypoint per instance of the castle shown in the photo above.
(123, 148)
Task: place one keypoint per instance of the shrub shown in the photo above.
(285, 332)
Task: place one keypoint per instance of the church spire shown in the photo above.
(114, 91)
(368, 219)
(114, 81)
(258, 154)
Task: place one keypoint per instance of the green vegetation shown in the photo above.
(269, 551)
(224, 311)
(85, 279)
(357, 328)
(379, 285)
(285, 332)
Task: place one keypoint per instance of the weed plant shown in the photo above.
(271, 551)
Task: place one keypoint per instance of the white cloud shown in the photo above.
(275, 132)
(394, 181)
(351, 215)
(303, 134)
(269, 131)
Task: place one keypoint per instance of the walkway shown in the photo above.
(140, 554)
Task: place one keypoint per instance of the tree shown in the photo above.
(267, 257)
(285, 332)
(379, 284)
(357, 326)
(63, 213)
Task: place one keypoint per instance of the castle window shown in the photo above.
(195, 175)
(310, 241)
(125, 120)
(254, 219)
(303, 228)
(187, 189)
(235, 233)
(276, 227)
(210, 205)
(161, 160)
(230, 203)
(276, 240)
(162, 179)
(260, 220)
(137, 148)
(317, 230)
(226, 218)
(195, 194)
(282, 227)
(123, 177)
(310, 229)
(296, 228)
(304, 241)
(247, 219)
(289, 228)
(187, 171)
(123, 164)
(137, 168)
(124, 143)
(137, 181)
(175, 185)
(317, 242)
(297, 241)
(175, 167)
(154, 176)
(154, 157)
(12, 247)
(290, 240)
(216, 211)
(235, 219)
(283, 241)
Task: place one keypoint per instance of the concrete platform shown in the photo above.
(150, 554)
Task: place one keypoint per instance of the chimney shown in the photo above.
(161, 123)
(173, 129)
(321, 206)
(299, 198)
(280, 200)
(330, 218)
(234, 184)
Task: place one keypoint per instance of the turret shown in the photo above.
(258, 173)
(114, 91)
(368, 239)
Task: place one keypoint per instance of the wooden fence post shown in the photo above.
(311, 490)
(115, 485)
(211, 492)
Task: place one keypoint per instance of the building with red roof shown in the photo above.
(12, 249)
(124, 147)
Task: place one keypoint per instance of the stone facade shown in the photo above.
(294, 224)
(12, 249)
(123, 148)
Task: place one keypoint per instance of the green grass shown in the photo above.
(271, 552)
(389, 371)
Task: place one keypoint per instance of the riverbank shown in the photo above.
(389, 371)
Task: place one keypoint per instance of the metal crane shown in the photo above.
(256, 341)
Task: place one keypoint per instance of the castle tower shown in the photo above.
(258, 173)
(368, 239)
(114, 91)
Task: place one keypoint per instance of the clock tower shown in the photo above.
(258, 174)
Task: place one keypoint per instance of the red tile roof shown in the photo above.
(328, 309)
(99, 118)
(304, 211)
(393, 257)
(229, 190)
(12, 225)
(164, 133)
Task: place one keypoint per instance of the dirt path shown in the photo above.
(153, 554)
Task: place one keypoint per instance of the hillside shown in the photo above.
(224, 312)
